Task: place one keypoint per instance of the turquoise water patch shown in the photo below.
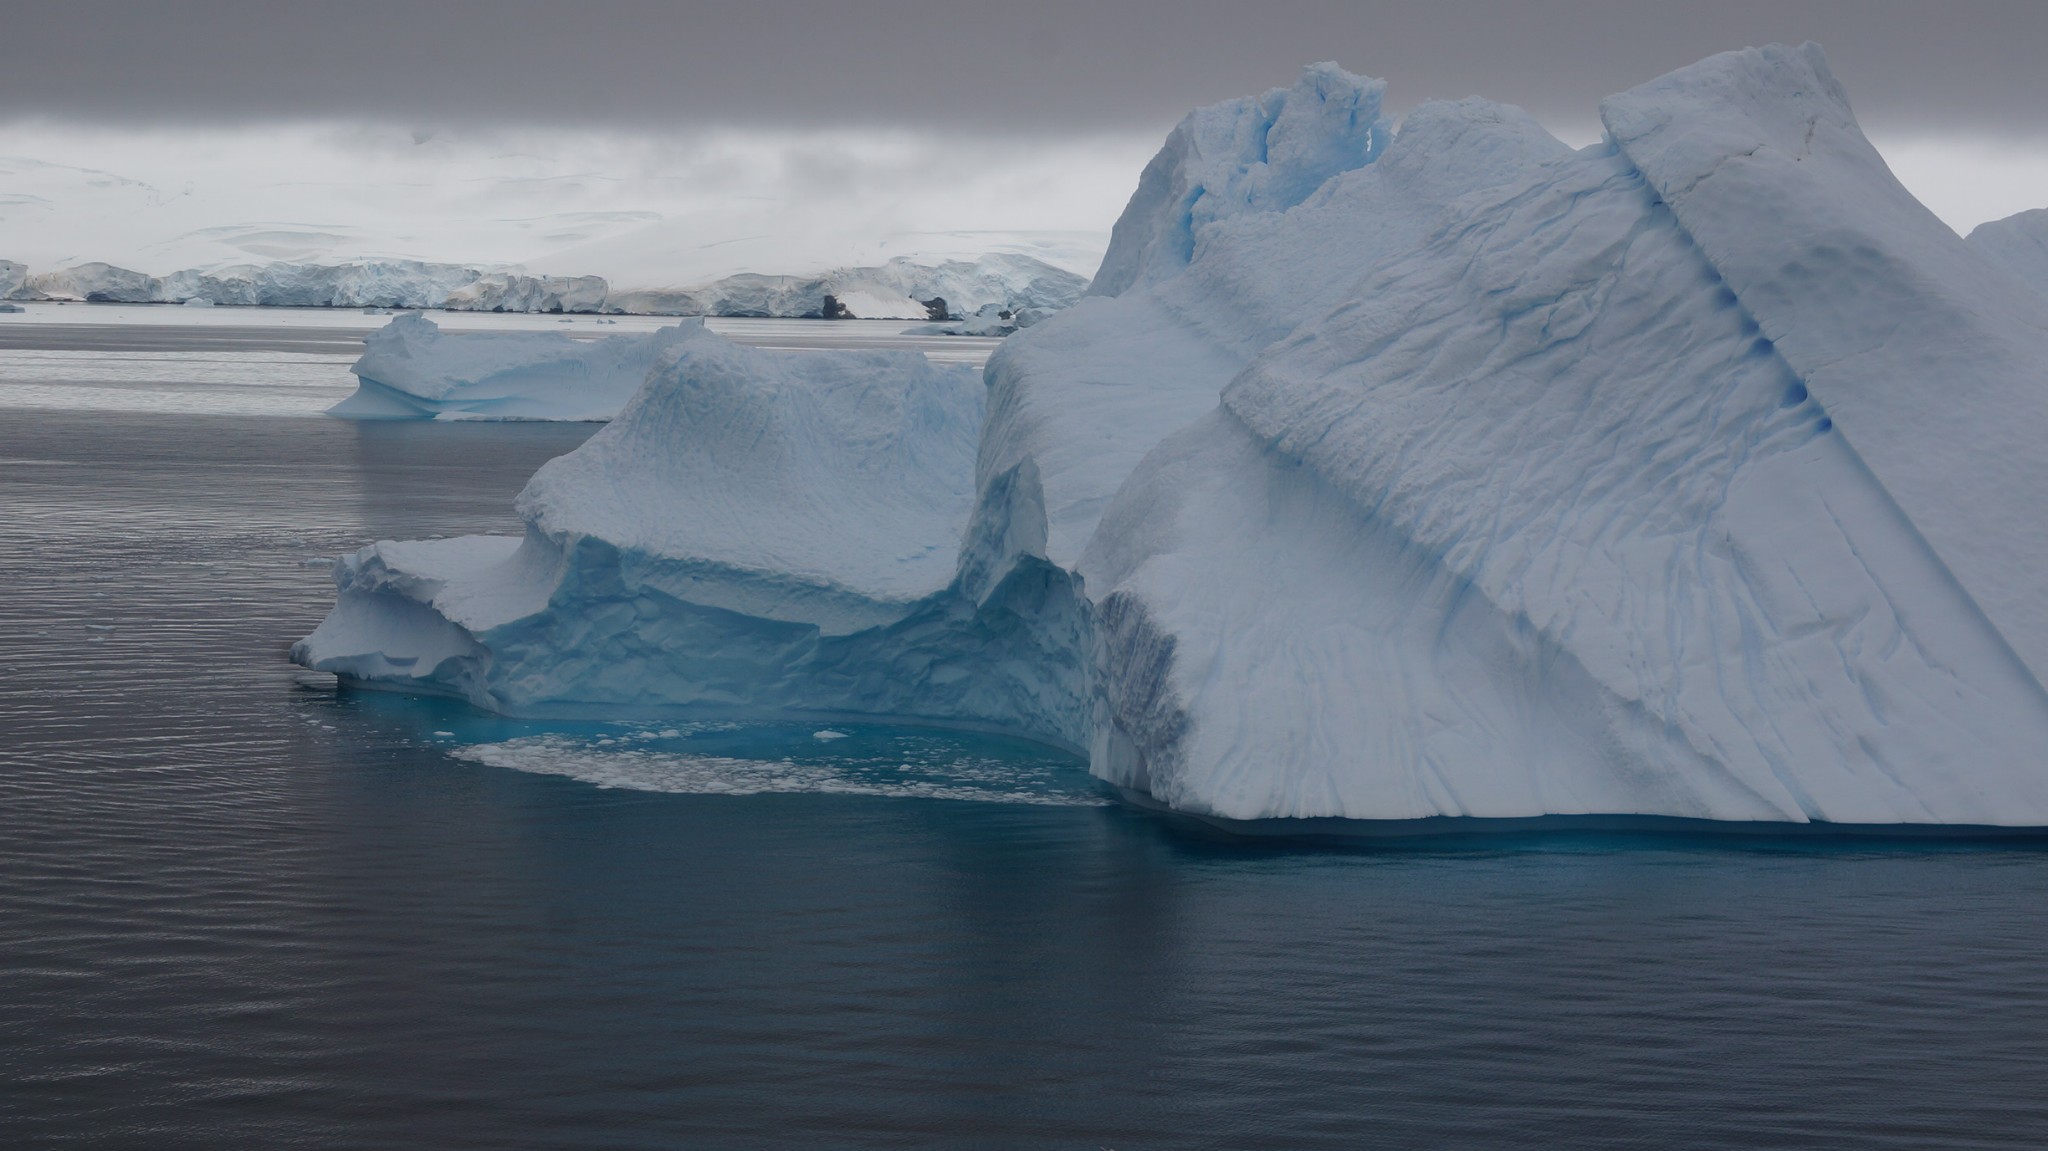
(734, 759)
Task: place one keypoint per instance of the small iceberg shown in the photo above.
(412, 370)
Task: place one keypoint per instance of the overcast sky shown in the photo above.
(1029, 65)
(472, 130)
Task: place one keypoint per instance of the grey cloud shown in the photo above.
(1045, 66)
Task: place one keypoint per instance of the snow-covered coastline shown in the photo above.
(901, 288)
(1446, 472)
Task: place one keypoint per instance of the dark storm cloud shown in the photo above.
(1027, 66)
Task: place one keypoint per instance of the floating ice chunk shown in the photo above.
(411, 369)
(989, 320)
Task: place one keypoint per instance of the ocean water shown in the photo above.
(294, 361)
(239, 908)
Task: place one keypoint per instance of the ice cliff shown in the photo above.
(1446, 472)
(411, 369)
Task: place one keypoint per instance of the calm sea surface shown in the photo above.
(238, 909)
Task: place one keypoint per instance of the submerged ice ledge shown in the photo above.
(1441, 474)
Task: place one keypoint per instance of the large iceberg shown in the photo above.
(2019, 244)
(1446, 472)
(411, 369)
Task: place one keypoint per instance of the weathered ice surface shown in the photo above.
(1386, 476)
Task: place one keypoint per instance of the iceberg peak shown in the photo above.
(1253, 154)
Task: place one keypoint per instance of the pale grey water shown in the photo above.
(294, 361)
(238, 909)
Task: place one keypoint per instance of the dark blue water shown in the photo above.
(240, 910)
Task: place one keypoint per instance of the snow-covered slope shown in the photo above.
(1450, 474)
(411, 369)
(2019, 244)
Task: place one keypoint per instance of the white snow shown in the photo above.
(411, 369)
(1448, 473)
